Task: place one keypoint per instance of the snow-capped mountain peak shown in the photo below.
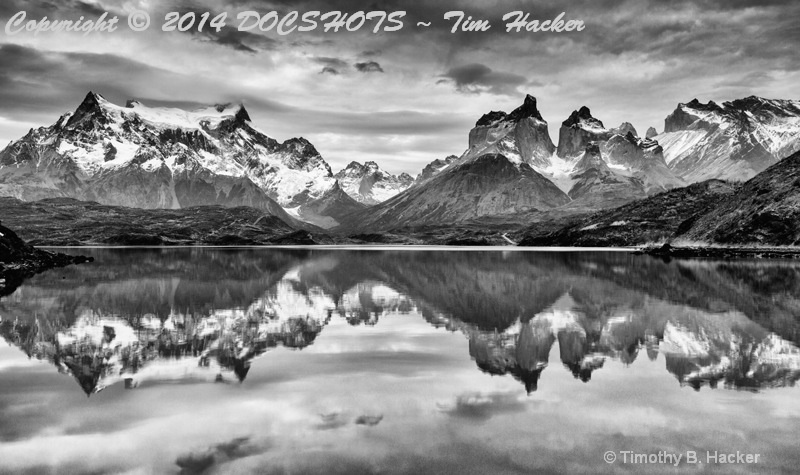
(582, 118)
(521, 136)
(733, 140)
(209, 118)
(369, 184)
(161, 157)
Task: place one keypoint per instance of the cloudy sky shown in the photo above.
(406, 97)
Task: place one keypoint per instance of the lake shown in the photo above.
(309, 360)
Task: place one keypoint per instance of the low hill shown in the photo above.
(69, 222)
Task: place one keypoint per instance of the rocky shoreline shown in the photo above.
(19, 260)
(717, 252)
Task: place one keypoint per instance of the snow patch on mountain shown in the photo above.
(677, 144)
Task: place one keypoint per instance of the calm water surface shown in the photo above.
(397, 361)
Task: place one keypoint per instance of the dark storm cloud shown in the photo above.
(332, 66)
(476, 78)
(230, 41)
(367, 420)
(695, 31)
(238, 40)
(368, 67)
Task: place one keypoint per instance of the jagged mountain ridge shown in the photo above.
(443, 194)
(522, 135)
(493, 177)
(369, 184)
(744, 136)
(152, 157)
(734, 140)
(164, 158)
(626, 155)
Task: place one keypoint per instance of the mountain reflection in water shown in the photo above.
(154, 316)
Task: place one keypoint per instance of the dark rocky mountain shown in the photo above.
(332, 207)
(734, 140)
(474, 187)
(764, 211)
(495, 177)
(596, 185)
(654, 219)
(651, 132)
(160, 158)
(369, 184)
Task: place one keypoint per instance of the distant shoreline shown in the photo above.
(367, 247)
(711, 251)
